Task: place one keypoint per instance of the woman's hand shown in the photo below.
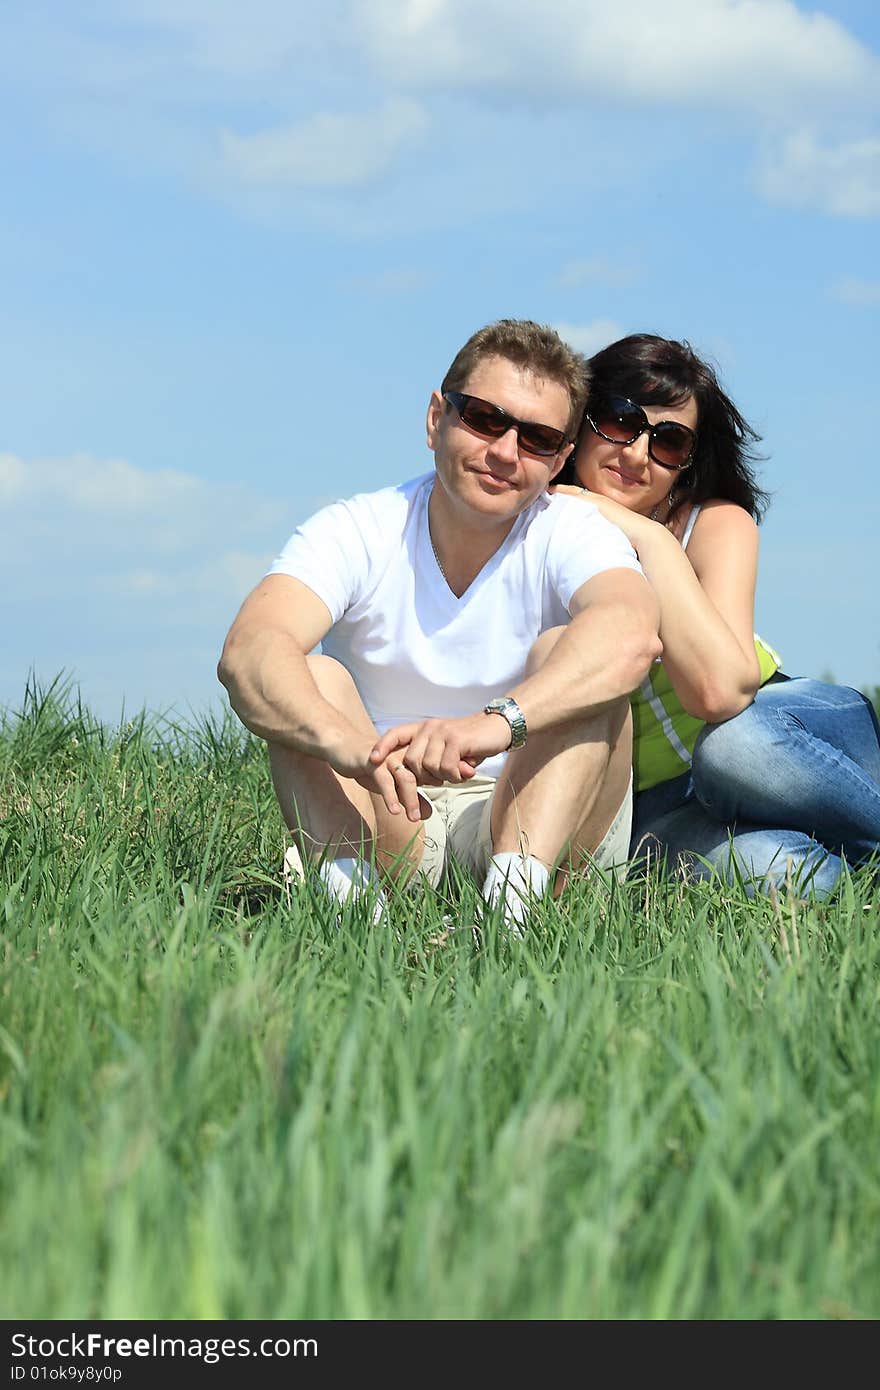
(634, 526)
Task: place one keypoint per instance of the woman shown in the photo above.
(737, 767)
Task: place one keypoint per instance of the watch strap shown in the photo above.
(506, 705)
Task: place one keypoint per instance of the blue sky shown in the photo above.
(241, 243)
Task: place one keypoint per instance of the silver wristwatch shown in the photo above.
(506, 705)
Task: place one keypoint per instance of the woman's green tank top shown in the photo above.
(664, 734)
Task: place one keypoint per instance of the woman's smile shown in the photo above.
(627, 479)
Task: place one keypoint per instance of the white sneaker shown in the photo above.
(293, 874)
(292, 870)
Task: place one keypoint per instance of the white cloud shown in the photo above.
(590, 337)
(13, 478)
(745, 54)
(228, 575)
(731, 53)
(101, 485)
(225, 36)
(851, 290)
(841, 179)
(329, 149)
(83, 521)
(401, 281)
(597, 270)
(154, 81)
(135, 66)
(125, 577)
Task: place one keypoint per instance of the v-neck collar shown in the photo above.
(482, 574)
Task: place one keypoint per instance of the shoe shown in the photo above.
(293, 874)
(292, 870)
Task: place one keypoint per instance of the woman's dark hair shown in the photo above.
(660, 371)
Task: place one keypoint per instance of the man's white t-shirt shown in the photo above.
(415, 650)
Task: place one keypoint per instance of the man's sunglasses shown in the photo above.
(621, 421)
(492, 422)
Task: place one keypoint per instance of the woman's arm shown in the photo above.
(709, 626)
(707, 598)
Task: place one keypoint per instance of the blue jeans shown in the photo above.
(783, 792)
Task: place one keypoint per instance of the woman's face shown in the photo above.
(626, 472)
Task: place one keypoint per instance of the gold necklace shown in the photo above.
(434, 548)
(431, 534)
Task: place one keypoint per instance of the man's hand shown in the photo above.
(389, 778)
(435, 751)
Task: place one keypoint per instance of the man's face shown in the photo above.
(493, 480)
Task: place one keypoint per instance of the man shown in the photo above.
(479, 641)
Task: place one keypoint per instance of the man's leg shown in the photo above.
(558, 796)
(333, 818)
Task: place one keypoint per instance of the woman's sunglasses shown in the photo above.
(492, 422)
(621, 421)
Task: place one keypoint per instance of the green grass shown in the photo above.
(665, 1103)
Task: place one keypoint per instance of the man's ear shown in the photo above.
(560, 460)
(435, 410)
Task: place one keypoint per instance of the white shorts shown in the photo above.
(459, 828)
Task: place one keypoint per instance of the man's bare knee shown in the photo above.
(337, 686)
(330, 676)
(613, 719)
(541, 649)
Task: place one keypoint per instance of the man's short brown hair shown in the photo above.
(534, 348)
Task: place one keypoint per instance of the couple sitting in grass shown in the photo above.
(490, 686)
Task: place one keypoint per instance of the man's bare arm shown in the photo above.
(602, 655)
(264, 668)
(271, 689)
